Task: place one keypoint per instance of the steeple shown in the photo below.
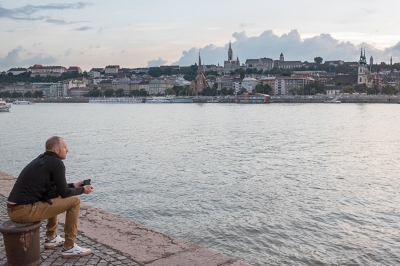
(230, 52)
(363, 59)
(200, 68)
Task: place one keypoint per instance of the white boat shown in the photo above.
(158, 100)
(22, 102)
(214, 100)
(116, 100)
(181, 99)
(4, 107)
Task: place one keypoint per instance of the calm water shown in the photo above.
(278, 184)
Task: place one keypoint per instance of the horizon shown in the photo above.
(136, 34)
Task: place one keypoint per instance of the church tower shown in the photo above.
(230, 53)
(200, 82)
(362, 68)
(371, 62)
(281, 57)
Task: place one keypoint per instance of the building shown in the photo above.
(268, 80)
(45, 70)
(200, 82)
(260, 64)
(231, 65)
(253, 98)
(17, 70)
(334, 63)
(78, 92)
(362, 69)
(121, 83)
(281, 63)
(111, 70)
(75, 69)
(283, 85)
(249, 84)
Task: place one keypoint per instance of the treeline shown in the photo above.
(28, 94)
(26, 77)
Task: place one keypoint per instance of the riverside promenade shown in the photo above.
(118, 241)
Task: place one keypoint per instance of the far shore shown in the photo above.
(351, 98)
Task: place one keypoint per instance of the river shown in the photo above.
(276, 184)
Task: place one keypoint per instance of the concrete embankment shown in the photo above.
(142, 244)
(345, 99)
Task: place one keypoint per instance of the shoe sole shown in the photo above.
(53, 246)
(76, 255)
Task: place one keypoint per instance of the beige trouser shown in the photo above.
(42, 210)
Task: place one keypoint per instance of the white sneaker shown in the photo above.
(75, 251)
(55, 242)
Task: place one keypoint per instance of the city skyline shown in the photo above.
(154, 33)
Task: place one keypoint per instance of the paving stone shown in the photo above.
(102, 255)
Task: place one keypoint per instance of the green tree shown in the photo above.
(119, 92)
(28, 94)
(37, 94)
(94, 93)
(265, 89)
(318, 60)
(108, 92)
(348, 89)
(388, 89)
(170, 91)
(6, 94)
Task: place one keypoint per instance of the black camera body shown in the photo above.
(86, 182)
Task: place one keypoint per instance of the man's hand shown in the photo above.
(88, 189)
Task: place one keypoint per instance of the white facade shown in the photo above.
(111, 70)
(284, 84)
(17, 71)
(249, 84)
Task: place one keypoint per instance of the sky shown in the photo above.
(142, 33)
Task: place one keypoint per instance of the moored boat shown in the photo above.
(4, 107)
(22, 102)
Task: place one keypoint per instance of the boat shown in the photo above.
(158, 99)
(22, 102)
(4, 107)
(334, 100)
(181, 99)
(116, 100)
(214, 100)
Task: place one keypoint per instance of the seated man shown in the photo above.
(41, 192)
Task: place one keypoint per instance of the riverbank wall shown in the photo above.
(144, 245)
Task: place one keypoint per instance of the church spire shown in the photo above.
(199, 69)
(230, 53)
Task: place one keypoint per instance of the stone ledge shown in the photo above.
(144, 245)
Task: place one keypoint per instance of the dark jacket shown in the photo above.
(41, 180)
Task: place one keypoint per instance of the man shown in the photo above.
(41, 192)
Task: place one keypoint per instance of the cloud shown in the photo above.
(240, 36)
(156, 62)
(56, 21)
(84, 28)
(68, 52)
(20, 57)
(26, 12)
(294, 48)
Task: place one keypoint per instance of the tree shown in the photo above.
(108, 92)
(265, 89)
(170, 91)
(388, 89)
(94, 93)
(38, 94)
(318, 60)
(119, 92)
(348, 89)
(28, 94)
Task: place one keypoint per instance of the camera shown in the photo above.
(86, 182)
